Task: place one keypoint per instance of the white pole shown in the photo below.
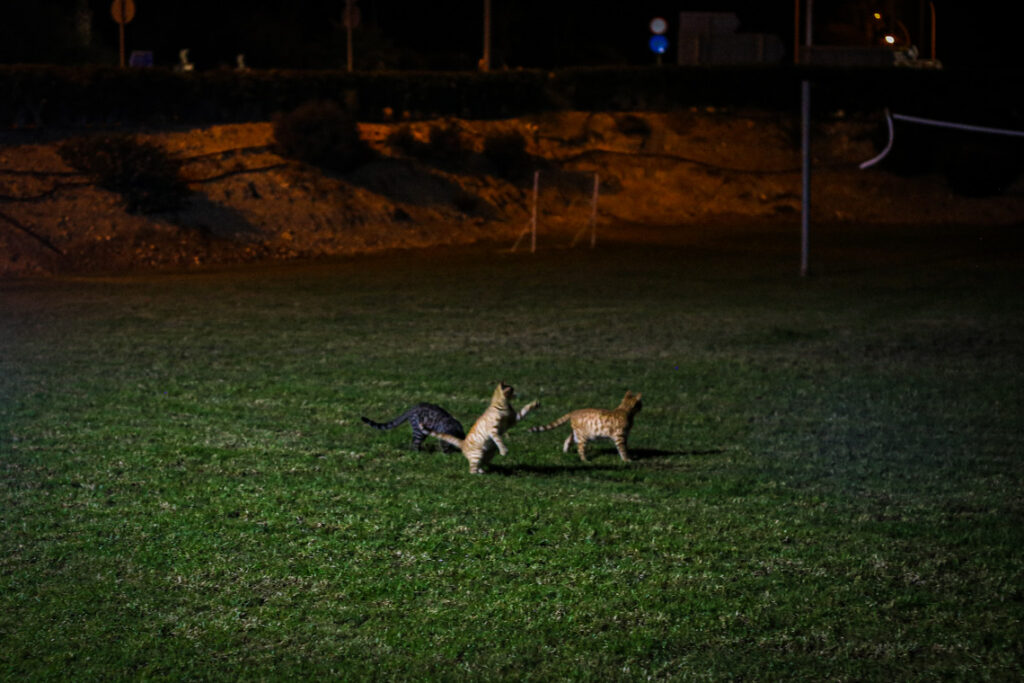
(533, 218)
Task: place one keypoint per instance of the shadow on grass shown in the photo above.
(612, 463)
(513, 470)
(650, 453)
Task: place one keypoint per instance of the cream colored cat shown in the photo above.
(595, 423)
(485, 434)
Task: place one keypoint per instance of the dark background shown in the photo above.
(447, 34)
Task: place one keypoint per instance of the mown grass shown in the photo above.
(827, 481)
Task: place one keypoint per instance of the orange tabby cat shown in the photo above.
(485, 434)
(595, 423)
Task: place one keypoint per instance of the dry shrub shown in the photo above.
(143, 173)
(323, 134)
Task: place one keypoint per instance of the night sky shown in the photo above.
(443, 34)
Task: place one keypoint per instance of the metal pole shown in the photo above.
(809, 29)
(120, 28)
(805, 145)
(931, 6)
(348, 34)
(805, 203)
(485, 62)
(796, 31)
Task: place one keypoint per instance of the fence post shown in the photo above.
(533, 217)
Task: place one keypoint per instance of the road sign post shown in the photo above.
(351, 21)
(122, 12)
(658, 42)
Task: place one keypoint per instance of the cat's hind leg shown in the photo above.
(581, 447)
(568, 442)
(418, 434)
(620, 445)
(475, 462)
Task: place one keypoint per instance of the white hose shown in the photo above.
(932, 122)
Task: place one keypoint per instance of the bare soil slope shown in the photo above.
(691, 174)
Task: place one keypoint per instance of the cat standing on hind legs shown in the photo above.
(485, 434)
(595, 423)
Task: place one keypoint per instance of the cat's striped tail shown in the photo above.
(557, 423)
(447, 438)
(387, 425)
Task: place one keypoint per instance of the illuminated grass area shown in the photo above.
(827, 480)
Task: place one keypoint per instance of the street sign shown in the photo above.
(351, 15)
(141, 58)
(123, 11)
(658, 44)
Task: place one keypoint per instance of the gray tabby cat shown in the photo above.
(425, 418)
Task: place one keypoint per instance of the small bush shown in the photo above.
(445, 144)
(323, 134)
(633, 125)
(472, 205)
(404, 141)
(506, 152)
(143, 173)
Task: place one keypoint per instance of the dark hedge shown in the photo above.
(90, 96)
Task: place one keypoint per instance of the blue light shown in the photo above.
(658, 44)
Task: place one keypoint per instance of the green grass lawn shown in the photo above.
(827, 481)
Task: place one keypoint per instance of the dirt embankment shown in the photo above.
(690, 172)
